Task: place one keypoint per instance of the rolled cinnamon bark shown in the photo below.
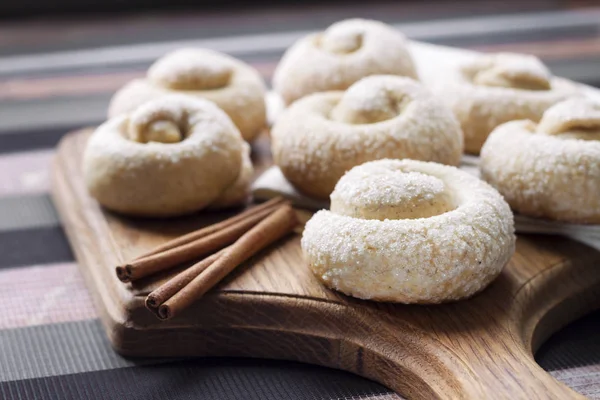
(271, 229)
(175, 284)
(190, 237)
(214, 241)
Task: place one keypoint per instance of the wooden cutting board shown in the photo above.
(273, 307)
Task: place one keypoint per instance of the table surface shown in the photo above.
(57, 75)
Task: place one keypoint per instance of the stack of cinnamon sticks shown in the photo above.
(220, 248)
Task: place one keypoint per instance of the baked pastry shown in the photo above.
(171, 156)
(231, 84)
(341, 55)
(410, 232)
(320, 137)
(492, 89)
(551, 169)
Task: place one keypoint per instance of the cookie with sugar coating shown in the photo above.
(318, 138)
(344, 53)
(410, 232)
(171, 156)
(551, 169)
(492, 89)
(233, 85)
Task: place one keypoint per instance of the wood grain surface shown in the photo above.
(273, 307)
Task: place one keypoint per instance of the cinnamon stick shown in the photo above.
(175, 284)
(271, 229)
(152, 264)
(195, 235)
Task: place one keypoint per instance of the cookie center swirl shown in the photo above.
(190, 69)
(157, 124)
(162, 132)
(343, 38)
(374, 193)
(572, 119)
(510, 71)
(370, 100)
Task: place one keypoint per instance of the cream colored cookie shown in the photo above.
(320, 137)
(551, 169)
(239, 192)
(410, 232)
(341, 55)
(233, 85)
(171, 156)
(492, 89)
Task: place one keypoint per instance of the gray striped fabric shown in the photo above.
(26, 212)
(56, 349)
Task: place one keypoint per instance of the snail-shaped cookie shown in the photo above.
(551, 169)
(411, 232)
(320, 137)
(231, 84)
(493, 89)
(341, 55)
(171, 156)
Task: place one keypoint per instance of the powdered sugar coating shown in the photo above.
(519, 71)
(341, 55)
(575, 118)
(342, 38)
(377, 98)
(444, 257)
(385, 190)
(165, 179)
(190, 69)
(314, 150)
(497, 88)
(234, 86)
(541, 175)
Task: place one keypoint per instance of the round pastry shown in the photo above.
(231, 84)
(551, 169)
(410, 232)
(492, 89)
(341, 55)
(171, 156)
(318, 138)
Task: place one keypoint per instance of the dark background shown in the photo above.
(45, 8)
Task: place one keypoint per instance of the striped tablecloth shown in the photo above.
(51, 342)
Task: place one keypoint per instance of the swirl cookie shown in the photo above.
(497, 88)
(171, 156)
(551, 169)
(231, 84)
(320, 137)
(341, 55)
(410, 232)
